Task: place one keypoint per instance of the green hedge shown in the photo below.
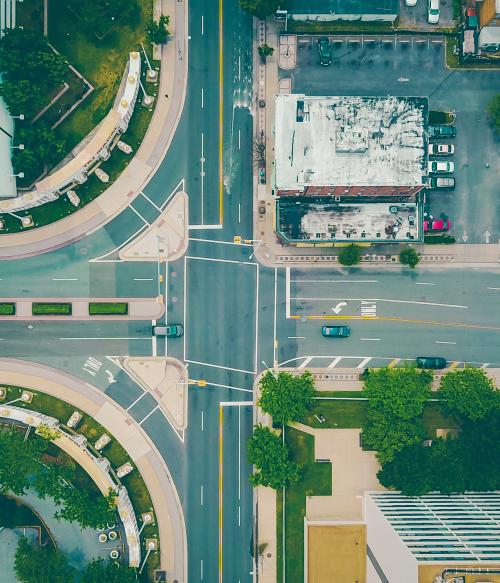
(439, 240)
(108, 308)
(7, 309)
(43, 308)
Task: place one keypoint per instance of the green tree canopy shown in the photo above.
(286, 397)
(99, 571)
(261, 8)
(470, 392)
(270, 456)
(265, 51)
(41, 566)
(18, 460)
(350, 255)
(40, 143)
(90, 511)
(409, 256)
(158, 32)
(395, 474)
(493, 110)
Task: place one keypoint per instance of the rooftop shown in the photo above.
(342, 6)
(349, 141)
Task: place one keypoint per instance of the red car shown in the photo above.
(437, 226)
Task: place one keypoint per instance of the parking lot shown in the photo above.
(414, 65)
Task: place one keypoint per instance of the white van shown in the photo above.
(433, 12)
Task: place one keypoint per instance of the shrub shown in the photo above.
(409, 257)
(350, 255)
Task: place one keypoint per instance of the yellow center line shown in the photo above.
(395, 319)
(221, 118)
(220, 491)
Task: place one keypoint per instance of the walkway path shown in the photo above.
(173, 82)
(168, 511)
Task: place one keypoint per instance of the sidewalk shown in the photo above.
(122, 192)
(137, 443)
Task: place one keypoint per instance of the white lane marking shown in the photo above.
(256, 345)
(370, 339)
(495, 288)
(423, 283)
(202, 25)
(297, 337)
(221, 367)
(136, 401)
(335, 281)
(180, 185)
(239, 515)
(220, 260)
(239, 213)
(219, 242)
(64, 279)
(204, 228)
(202, 98)
(287, 292)
(235, 403)
(382, 300)
(239, 139)
(202, 175)
(104, 338)
(149, 414)
(139, 215)
(154, 341)
(229, 387)
(364, 362)
(185, 302)
(201, 495)
(150, 201)
(201, 568)
(335, 361)
(143, 279)
(275, 323)
(239, 453)
(203, 421)
(444, 342)
(305, 362)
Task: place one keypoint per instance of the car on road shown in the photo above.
(441, 182)
(170, 331)
(436, 362)
(441, 167)
(442, 131)
(441, 149)
(325, 53)
(336, 331)
(437, 226)
(433, 12)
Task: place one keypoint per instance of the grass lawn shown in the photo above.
(39, 308)
(108, 308)
(343, 394)
(316, 479)
(346, 414)
(7, 309)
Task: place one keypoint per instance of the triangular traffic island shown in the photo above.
(166, 380)
(166, 238)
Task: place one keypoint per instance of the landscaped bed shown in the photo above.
(49, 308)
(108, 308)
(7, 309)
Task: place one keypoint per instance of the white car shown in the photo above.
(433, 12)
(410, 2)
(441, 149)
(441, 167)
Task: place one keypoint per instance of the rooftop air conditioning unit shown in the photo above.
(336, 198)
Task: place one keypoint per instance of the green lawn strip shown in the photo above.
(342, 394)
(316, 479)
(48, 308)
(7, 309)
(343, 27)
(108, 308)
(343, 414)
(279, 536)
(30, 15)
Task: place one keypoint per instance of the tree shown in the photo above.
(270, 456)
(158, 32)
(470, 392)
(261, 8)
(396, 474)
(286, 397)
(409, 256)
(40, 144)
(18, 461)
(493, 110)
(41, 566)
(88, 510)
(350, 255)
(265, 51)
(99, 571)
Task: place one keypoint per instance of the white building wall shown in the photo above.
(395, 560)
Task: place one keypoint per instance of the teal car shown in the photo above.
(336, 331)
(171, 331)
(325, 53)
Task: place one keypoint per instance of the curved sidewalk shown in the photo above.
(142, 167)
(167, 506)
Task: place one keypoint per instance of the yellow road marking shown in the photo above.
(221, 119)
(453, 365)
(393, 363)
(395, 319)
(221, 417)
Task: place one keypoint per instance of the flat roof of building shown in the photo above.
(342, 6)
(362, 141)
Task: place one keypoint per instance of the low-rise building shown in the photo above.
(349, 169)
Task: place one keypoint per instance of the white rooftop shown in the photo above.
(351, 141)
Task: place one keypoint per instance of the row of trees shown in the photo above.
(23, 465)
(351, 255)
(49, 565)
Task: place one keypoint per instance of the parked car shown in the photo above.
(325, 53)
(442, 131)
(441, 149)
(436, 362)
(336, 331)
(171, 331)
(437, 226)
(441, 167)
(445, 182)
(433, 12)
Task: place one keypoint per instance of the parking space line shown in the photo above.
(149, 414)
(136, 401)
(335, 361)
(305, 362)
(364, 362)
(221, 367)
(139, 215)
(393, 363)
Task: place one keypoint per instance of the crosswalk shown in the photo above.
(361, 362)
(7, 15)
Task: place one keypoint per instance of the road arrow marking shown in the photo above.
(465, 237)
(487, 236)
(338, 308)
(111, 378)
